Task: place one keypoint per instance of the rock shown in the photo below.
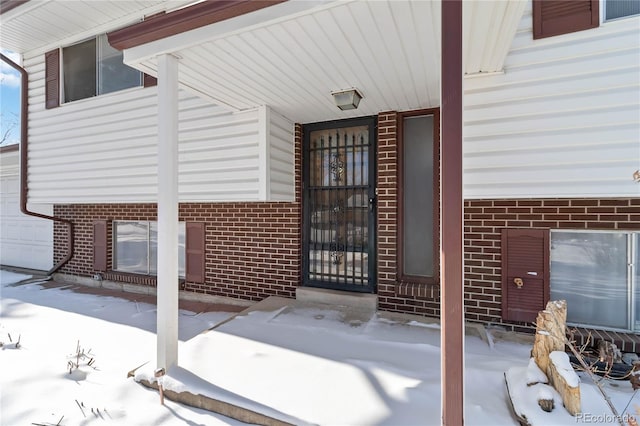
(534, 374)
(546, 404)
(548, 353)
(565, 380)
(545, 399)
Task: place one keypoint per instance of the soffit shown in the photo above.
(389, 50)
(39, 25)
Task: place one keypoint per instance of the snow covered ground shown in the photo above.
(303, 364)
(35, 384)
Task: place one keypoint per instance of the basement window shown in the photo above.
(598, 274)
(93, 67)
(135, 247)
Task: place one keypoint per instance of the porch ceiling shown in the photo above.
(389, 50)
(51, 23)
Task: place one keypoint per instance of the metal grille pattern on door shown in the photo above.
(339, 206)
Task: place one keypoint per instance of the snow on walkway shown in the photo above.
(308, 364)
(315, 367)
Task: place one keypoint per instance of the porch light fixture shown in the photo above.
(347, 99)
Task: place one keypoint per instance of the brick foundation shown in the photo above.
(252, 249)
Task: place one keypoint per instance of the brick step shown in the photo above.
(626, 342)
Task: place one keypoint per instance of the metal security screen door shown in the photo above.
(339, 205)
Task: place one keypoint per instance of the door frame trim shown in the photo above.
(372, 122)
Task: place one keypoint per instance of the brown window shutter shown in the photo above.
(149, 80)
(555, 17)
(525, 257)
(100, 238)
(52, 78)
(195, 252)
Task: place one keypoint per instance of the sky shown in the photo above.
(9, 99)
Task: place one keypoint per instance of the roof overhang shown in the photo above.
(293, 55)
(40, 25)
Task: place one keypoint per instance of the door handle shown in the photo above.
(518, 282)
(372, 203)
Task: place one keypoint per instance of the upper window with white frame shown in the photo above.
(614, 9)
(92, 68)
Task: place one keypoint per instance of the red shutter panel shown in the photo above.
(195, 252)
(52, 78)
(149, 80)
(100, 238)
(555, 17)
(525, 273)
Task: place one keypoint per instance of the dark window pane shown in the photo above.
(418, 196)
(620, 8)
(79, 69)
(113, 75)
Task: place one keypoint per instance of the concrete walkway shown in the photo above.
(260, 361)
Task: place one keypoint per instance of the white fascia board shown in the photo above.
(268, 15)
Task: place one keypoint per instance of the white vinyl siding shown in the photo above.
(25, 241)
(103, 149)
(562, 121)
(281, 161)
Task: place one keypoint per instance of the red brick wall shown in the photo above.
(386, 201)
(394, 295)
(483, 220)
(253, 249)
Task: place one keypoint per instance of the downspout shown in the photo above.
(24, 163)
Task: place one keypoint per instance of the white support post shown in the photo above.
(167, 321)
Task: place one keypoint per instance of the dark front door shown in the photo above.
(339, 205)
